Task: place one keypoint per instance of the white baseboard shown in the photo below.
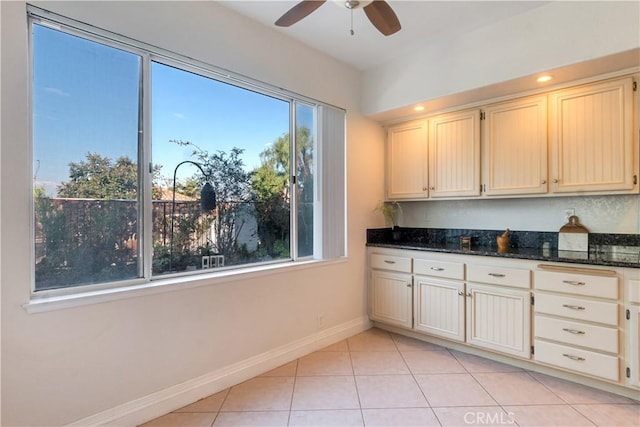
(138, 411)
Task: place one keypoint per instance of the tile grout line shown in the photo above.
(355, 383)
(480, 384)
(221, 405)
(416, 381)
(293, 390)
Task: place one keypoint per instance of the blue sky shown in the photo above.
(86, 100)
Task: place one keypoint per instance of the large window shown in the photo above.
(147, 165)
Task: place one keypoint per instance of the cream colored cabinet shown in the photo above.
(499, 319)
(515, 147)
(632, 319)
(583, 322)
(439, 298)
(576, 320)
(390, 290)
(593, 146)
(454, 154)
(406, 161)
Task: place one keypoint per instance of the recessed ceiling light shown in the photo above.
(544, 78)
(418, 108)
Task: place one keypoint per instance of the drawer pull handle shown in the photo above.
(573, 331)
(573, 307)
(437, 269)
(574, 282)
(389, 262)
(572, 357)
(496, 274)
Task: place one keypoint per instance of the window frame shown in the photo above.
(149, 54)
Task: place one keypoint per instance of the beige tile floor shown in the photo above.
(381, 379)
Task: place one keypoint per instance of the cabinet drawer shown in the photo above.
(576, 333)
(577, 308)
(582, 361)
(576, 284)
(449, 270)
(496, 275)
(634, 291)
(390, 262)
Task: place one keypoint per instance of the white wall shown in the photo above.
(600, 214)
(557, 34)
(64, 365)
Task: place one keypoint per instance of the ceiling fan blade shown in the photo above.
(382, 17)
(299, 11)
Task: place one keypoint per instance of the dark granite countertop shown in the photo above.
(616, 250)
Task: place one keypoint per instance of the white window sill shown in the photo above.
(60, 302)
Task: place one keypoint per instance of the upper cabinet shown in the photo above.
(406, 161)
(576, 141)
(438, 157)
(454, 154)
(592, 138)
(515, 147)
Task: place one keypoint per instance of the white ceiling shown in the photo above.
(422, 21)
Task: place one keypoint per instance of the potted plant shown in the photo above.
(390, 211)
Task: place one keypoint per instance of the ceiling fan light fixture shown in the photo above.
(352, 4)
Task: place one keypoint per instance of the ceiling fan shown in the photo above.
(378, 11)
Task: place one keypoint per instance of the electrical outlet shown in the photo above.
(320, 321)
(568, 212)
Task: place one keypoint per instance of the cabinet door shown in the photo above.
(406, 161)
(391, 298)
(515, 147)
(454, 154)
(499, 319)
(439, 307)
(592, 141)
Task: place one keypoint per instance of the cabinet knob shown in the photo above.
(460, 293)
(424, 188)
(432, 188)
(544, 181)
(555, 181)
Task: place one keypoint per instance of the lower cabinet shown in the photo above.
(390, 290)
(576, 320)
(391, 298)
(439, 307)
(499, 319)
(576, 324)
(632, 326)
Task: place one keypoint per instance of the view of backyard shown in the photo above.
(90, 207)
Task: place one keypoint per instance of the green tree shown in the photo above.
(99, 177)
(92, 238)
(270, 184)
(271, 187)
(231, 183)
